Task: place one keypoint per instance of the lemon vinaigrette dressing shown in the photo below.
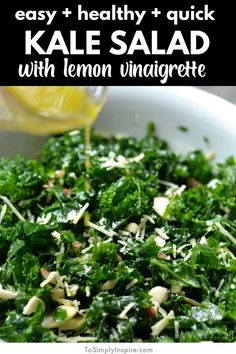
(44, 110)
(87, 163)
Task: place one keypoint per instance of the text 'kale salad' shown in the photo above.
(145, 254)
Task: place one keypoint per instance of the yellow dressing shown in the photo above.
(87, 163)
(51, 109)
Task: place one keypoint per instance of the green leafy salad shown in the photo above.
(138, 247)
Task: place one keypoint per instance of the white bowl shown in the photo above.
(129, 109)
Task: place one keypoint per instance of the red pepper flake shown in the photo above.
(150, 312)
(162, 256)
(59, 173)
(67, 191)
(77, 246)
(192, 182)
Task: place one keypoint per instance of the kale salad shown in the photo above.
(138, 247)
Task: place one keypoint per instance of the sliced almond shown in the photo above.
(50, 279)
(70, 311)
(49, 322)
(57, 294)
(32, 305)
(160, 242)
(7, 294)
(176, 289)
(109, 285)
(72, 324)
(132, 227)
(160, 205)
(71, 290)
(159, 294)
(44, 272)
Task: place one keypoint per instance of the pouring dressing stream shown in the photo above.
(44, 110)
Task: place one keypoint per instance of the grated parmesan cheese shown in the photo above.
(213, 183)
(181, 248)
(186, 258)
(80, 213)
(56, 235)
(3, 212)
(193, 242)
(119, 161)
(131, 284)
(176, 327)
(161, 232)
(137, 158)
(149, 218)
(211, 224)
(217, 292)
(140, 234)
(203, 240)
(123, 314)
(44, 219)
(77, 339)
(158, 327)
(87, 249)
(11, 206)
(115, 334)
(174, 250)
(101, 229)
(224, 232)
(180, 190)
(30, 215)
(87, 291)
(168, 184)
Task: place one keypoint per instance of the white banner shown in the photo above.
(117, 348)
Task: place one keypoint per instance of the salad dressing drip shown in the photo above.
(44, 110)
(87, 163)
